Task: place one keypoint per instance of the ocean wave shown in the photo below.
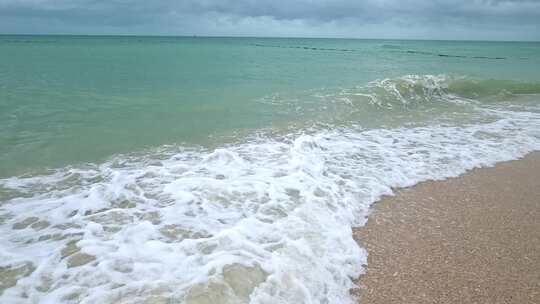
(265, 220)
(412, 100)
(411, 89)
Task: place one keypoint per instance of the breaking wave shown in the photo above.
(413, 89)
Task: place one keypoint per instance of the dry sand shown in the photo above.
(470, 239)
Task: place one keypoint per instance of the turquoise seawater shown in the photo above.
(231, 170)
(67, 100)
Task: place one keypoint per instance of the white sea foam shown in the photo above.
(264, 221)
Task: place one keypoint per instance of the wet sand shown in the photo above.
(470, 239)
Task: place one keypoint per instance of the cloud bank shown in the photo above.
(422, 19)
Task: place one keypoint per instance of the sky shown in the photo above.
(400, 19)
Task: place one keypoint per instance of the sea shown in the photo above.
(230, 170)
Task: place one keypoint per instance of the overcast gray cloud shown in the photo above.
(450, 19)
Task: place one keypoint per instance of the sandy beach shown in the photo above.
(470, 239)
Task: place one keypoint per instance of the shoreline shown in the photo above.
(474, 238)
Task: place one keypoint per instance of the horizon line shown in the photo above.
(259, 37)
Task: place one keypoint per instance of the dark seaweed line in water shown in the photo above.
(301, 47)
(351, 50)
(455, 56)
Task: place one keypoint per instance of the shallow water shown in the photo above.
(220, 170)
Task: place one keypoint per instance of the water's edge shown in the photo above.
(479, 241)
